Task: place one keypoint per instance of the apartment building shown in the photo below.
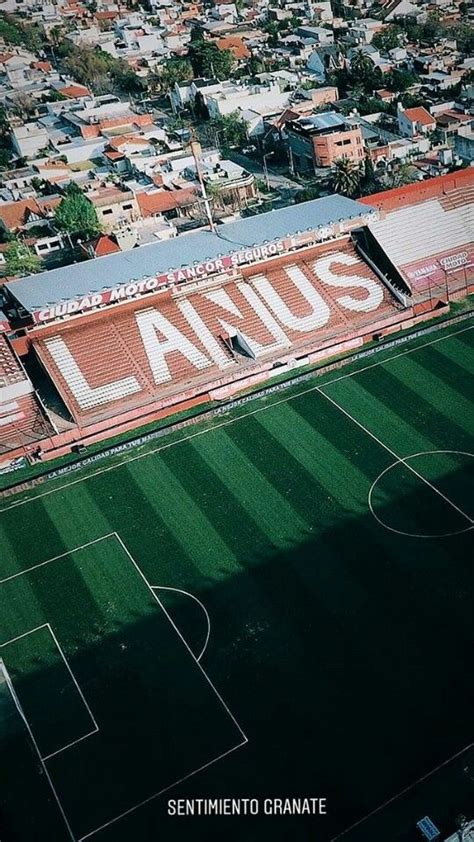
(320, 139)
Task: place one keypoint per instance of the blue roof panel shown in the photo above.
(80, 279)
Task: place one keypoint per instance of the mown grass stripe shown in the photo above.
(228, 517)
(289, 476)
(51, 599)
(191, 529)
(129, 512)
(274, 515)
(400, 417)
(330, 470)
(340, 447)
(431, 390)
(450, 368)
(465, 339)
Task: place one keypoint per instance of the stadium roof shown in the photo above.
(82, 279)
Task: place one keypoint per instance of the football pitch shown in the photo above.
(276, 605)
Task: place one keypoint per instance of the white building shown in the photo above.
(28, 139)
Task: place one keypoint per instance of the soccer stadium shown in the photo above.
(236, 527)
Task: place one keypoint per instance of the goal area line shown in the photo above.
(44, 758)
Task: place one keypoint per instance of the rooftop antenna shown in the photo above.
(196, 152)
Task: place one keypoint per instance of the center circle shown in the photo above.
(410, 462)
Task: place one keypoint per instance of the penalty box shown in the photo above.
(118, 707)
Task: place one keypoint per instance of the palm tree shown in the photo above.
(213, 192)
(361, 64)
(345, 177)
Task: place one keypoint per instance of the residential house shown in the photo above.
(28, 139)
(114, 207)
(162, 203)
(317, 34)
(464, 143)
(253, 103)
(15, 217)
(415, 121)
(236, 186)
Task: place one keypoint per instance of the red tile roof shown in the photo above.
(112, 155)
(45, 66)
(235, 45)
(165, 200)
(73, 91)
(123, 139)
(419, 115)
(101, 246)
(15, 214)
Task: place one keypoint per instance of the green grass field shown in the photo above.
(272, 605)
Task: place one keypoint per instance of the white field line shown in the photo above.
(208, 620)
(74, 680)
(228, 421)
(404, 461)
(243, 742)
(161, 791)
(69, 745)
(55, 558)
(25, 634)
(43, 764)
(205, 765)
(402, 792)
(96, 727)
(401, 459)
(179, 634)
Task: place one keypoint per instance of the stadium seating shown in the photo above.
(22, 421)
(133, 354)
(443, 227)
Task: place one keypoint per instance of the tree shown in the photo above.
(272, 28)
(387, 39)
(213, 192)
(361, 64)
(306, 195)
(399, 80)
(255, 65)
(228, 131)
(4, 159)
(76, 214)
(368, 182)
(20, 259)
(15, 31)
(175, 70)
(402, 175)
(412, 100)
(363, 75)
(56, 35)
(23, 103)
(345, 177)
(208, 60)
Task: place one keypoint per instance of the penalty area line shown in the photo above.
(170, 619)
(162, 791)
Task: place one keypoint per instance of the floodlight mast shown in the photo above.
(196, 152)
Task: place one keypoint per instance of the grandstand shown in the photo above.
(441, 212)
(193, 342)
(22, 421)
(127, 338)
